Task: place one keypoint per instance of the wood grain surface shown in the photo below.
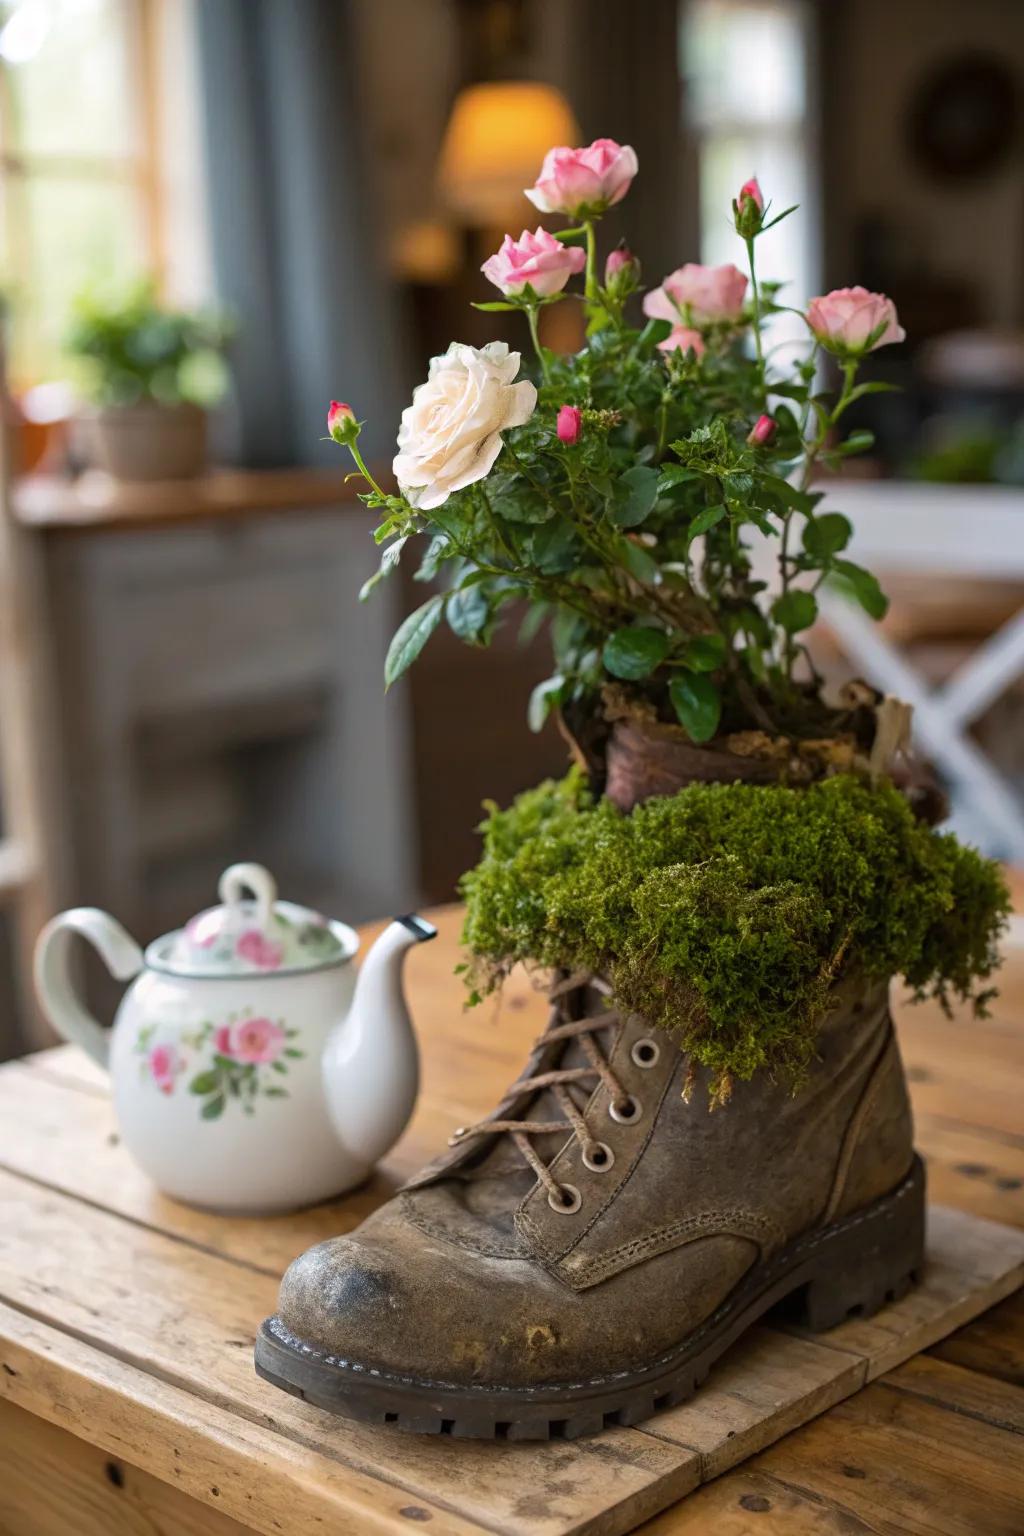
(128, 1400)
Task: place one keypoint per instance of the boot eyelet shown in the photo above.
(645, 1053)
(568, 1202)
(627, 1111)
(598, 1158)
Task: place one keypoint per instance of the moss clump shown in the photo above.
(725, 913)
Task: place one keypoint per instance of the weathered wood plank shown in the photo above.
(246, 1470)
(189, 1318)
(964, 1391)
(993, 1344)
(56, 1485)
(885, 1461)
(767, 1385)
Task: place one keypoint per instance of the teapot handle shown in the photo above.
(57, 996)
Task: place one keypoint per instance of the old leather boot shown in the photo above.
(583, 1256)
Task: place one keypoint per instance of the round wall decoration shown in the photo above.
(964, 117)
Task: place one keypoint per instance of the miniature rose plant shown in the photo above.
(612, 493)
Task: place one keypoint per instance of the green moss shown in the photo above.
(725, 913)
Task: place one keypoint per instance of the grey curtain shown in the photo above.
(626, 85)
(291, 231)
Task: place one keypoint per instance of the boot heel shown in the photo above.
(869, 1260)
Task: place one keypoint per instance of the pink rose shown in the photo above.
(762, 432)
(341, 422)
(579, 182)
(538, 259)
(846, 319)
(752, 189)
(259, 950)
(164, 1066)
(682, 338)
(570, 421)
(250, 1040)
(696, 295)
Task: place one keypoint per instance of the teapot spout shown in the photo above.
(371, 1063)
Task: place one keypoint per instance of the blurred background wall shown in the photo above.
(198, 681)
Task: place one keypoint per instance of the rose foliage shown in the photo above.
(628, 536)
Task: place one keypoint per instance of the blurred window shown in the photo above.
(79, 201)
(747, 68)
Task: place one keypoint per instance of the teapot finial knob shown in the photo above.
(239, 879)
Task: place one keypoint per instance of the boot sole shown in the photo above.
(848, 1269)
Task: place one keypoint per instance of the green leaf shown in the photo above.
(467, 612)
(411, 636)
(857, 442)
(388, 560)
(697, 704)
(705, 520)
(553, 547)
(293, 1053)
(275, 1093)
(205, 1082)
(704, 653)
(653, 332)
(635, 494)
(495, 306)
(639, 562)
(795, 610)
(675, 474)
(864, 588)
(634, 653)
(543, 700)
(213, 1108)
(826, 535)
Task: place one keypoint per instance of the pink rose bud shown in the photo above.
(682, 338)
(570, 423)
(621, 270)
(852, 321)
(764, 429)
(538, 259)
(694, 295)
(752, 190)
(584, 182)
(341, 423)
(748, 209)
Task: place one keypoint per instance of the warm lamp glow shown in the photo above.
(497, 136)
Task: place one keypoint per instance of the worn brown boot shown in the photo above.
(582, 1257)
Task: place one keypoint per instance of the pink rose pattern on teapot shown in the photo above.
(251, 1053)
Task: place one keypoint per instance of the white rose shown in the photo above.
(451, 433)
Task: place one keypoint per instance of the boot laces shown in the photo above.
(563, 1082)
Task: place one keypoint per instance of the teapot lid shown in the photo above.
(252, 933)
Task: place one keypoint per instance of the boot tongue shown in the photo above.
(483, 1196)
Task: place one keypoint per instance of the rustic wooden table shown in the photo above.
(128, 1403)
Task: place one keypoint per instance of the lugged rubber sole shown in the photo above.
(848, 1269)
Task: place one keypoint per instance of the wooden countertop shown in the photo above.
(128, 1401)
(94, 501)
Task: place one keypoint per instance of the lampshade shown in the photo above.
(498, 134)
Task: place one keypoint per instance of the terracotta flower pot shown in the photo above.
(646, 758)
(147, 441)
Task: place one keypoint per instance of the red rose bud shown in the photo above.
(764, 429)
(748, 209)
(752, 189)
(621, 270)
(570, 422)
(341, 423)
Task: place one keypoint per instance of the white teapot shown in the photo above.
(252, 1070)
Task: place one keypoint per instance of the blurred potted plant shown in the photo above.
(152, 373)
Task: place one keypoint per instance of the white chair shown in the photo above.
(967, 531)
